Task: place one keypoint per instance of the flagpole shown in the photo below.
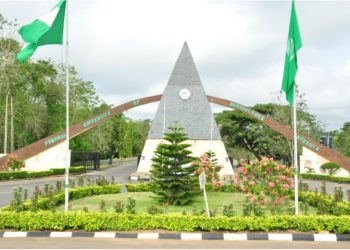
(6, 118)
(296, 184)
(66, 186)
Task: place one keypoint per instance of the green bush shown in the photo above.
(325, 178)
(139, 187)
(72, 170)
(15, 175)
(39, 174)
(9, 175)
(325, 204)
(45, 203)
(106, 221)
(330, 167)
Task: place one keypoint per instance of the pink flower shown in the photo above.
(290, 181)
(282, 178)
(286, 186)
(244, 189)
(251, 183)
(279, 201)
(240, 169)
(235, 179)
(271, 185)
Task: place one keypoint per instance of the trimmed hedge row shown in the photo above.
(138, 187)
(146, 187)
(96, 221)
(325, 178)
(15, 175)
(74, 193)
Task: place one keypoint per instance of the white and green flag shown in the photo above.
(48, 29)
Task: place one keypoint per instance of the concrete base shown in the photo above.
(54, 157)
(198, 148)
(311, 160)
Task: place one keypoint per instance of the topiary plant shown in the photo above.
(330, 167)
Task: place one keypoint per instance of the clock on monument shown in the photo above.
(184, 94)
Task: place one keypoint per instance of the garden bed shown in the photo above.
(109, 221)
(144, 200)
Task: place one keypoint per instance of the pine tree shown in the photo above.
(172, 170)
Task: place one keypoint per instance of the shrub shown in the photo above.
(154, 210)
(14, 163)
(140, 187)
(110, 221)
(9, 175)
(45, 203)
(131, 205)
(228, 210)
(325, 177)
(119, 207)
(261, 178)
(196, 211)
(330, 167)
(103, 205)
(324, 203)
(209, 164)
(13, 175)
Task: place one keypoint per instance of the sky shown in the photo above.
(128, 48)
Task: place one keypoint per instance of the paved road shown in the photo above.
(120, 173)
(87, 243)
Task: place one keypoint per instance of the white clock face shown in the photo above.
(184, 94)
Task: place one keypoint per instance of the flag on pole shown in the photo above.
(48, 29)
(291, 63)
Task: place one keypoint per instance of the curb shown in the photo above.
(184, 236)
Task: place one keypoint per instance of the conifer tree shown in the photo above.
(172, 170)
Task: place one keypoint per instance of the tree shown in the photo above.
(330, 167)
(240, 130)
(172, 172)
(341, 139)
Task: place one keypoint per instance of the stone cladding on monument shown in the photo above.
(185, 103)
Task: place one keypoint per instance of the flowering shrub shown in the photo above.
(13, 163)
(261, 178)
(208, 163)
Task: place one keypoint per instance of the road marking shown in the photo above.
(148, 236)
(287, 237)
(229, 236)
(60, 234)
(15, 234)
(325, 237)
(191, 236)
(104, 235)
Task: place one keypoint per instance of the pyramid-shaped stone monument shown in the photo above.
(184, 103)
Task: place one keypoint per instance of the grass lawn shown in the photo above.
(216, 200)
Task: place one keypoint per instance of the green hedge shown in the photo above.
(15, 175)
(325, 178)
(138, 187)
(74, 193)
(96, 221)
(72, 170)
(146, 187)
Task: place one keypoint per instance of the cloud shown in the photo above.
(129, 47)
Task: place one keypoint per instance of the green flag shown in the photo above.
(46, 30)
(291, 62)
